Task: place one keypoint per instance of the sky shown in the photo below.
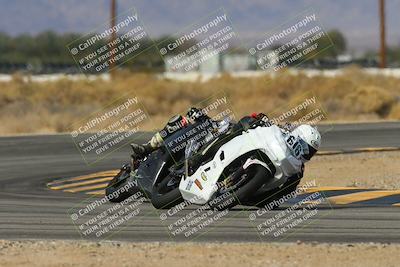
(358, 20)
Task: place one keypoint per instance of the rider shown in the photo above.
(306, 136)
(178, 122)
(304, 142)
(173, 125)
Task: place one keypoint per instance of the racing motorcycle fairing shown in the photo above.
(155, 166)
(200, 187)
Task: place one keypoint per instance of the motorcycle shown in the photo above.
(254, 164)
(224, 168)
(151, 171)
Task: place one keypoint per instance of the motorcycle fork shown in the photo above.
(232, 179)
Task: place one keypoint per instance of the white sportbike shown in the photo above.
(232, 167)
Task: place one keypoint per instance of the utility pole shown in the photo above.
(382, 63)
(113, 18)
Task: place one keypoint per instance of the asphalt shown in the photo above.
(29, 210)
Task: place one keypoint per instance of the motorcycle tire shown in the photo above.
(165, 200)
(266, 198)
(119, 181)
(237, 197)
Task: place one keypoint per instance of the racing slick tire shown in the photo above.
(264, 199)
(164, 196)
(259, 175)
(114, 190)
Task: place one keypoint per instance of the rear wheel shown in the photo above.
(166, 194)
(257, 175)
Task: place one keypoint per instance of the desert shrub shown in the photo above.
(27, 106)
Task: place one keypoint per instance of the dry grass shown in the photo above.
(28, 107)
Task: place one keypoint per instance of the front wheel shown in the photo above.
(264, 199)
(166, 194)
(113, 190)
(257, 175)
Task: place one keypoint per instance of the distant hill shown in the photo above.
(357, 19)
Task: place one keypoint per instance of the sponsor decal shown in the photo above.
(197, 182)
(189, 185)
(203, 176)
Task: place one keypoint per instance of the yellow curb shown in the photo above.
(93, 181)
(361, 196)
(357, 150)
(85, 177)
(330, 188)
(96, 193)
(87, 188)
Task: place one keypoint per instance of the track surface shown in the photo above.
(28, 209)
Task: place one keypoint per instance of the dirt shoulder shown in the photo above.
(77, 253)
(370, 170)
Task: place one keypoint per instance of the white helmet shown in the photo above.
(310, 139)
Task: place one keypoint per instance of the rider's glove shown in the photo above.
(288, 127)
(262, 119)
(194, 114)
